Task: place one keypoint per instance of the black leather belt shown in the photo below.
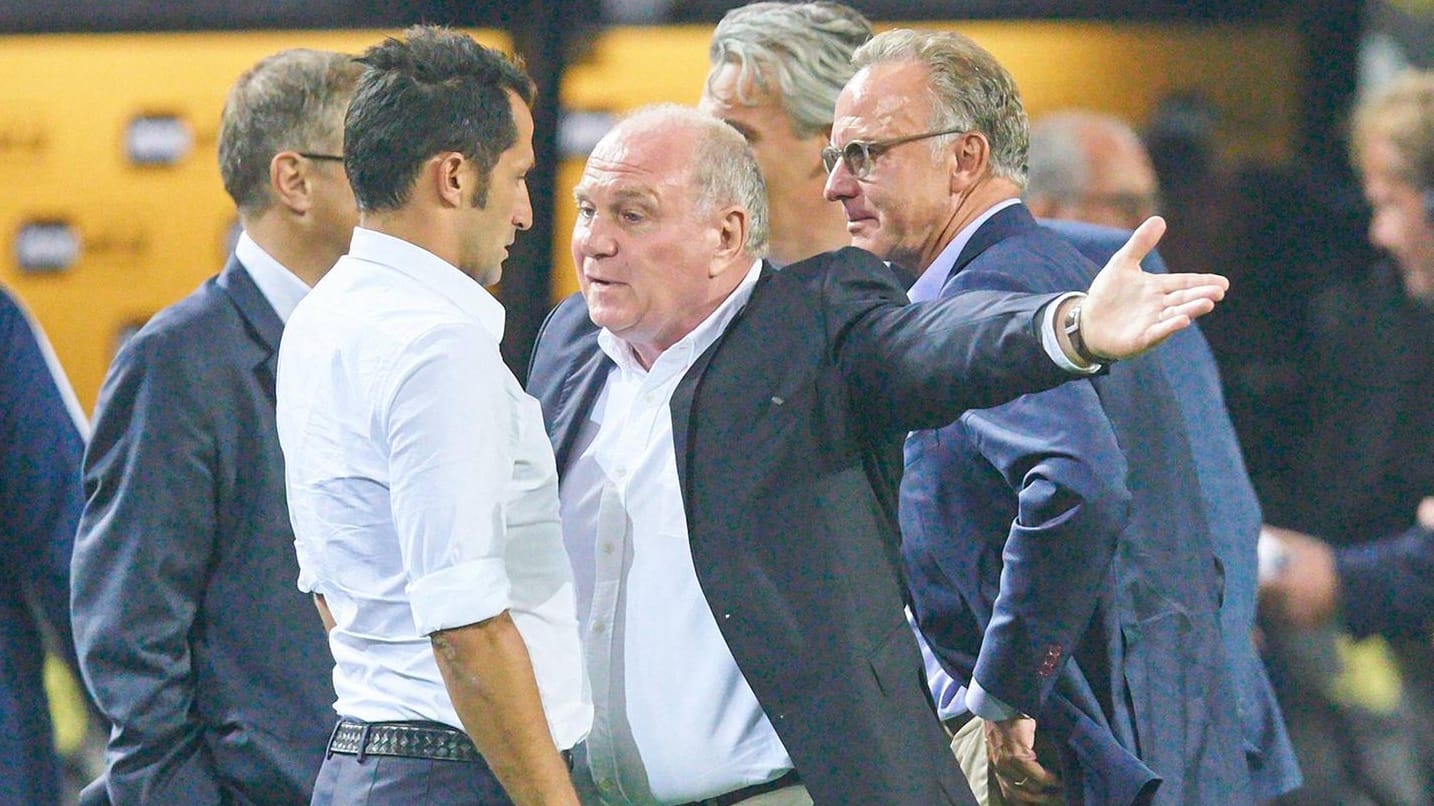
(739, 795)
(958, 722)
(431, 740)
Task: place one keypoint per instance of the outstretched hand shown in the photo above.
(1129, 310)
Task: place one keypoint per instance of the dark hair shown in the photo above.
(436, 90)
(293, 100)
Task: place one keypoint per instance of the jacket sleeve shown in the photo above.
(41, 443)
(1058, 454)
(912, 366)
(1388, 585)
(145, 542)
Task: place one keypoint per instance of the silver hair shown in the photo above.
(968, 90)
(294, 99)
(804, 48)
(724, 170)
(1058, 166)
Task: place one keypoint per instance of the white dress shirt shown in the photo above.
(421, 484)
(281, 288)
(676, 721)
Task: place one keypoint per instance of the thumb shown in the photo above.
(1142, 241)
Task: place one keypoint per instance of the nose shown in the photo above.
(590, 239)
(840, 183)
(1382, 230)
(523, 208)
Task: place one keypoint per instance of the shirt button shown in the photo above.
(622, 472)
(598, 627)
(608, 548)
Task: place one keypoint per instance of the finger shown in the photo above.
(1205, 294)
(1030, 791)
(1164, 329)
(1189, 311)
(1142, 241)
(1171, 283)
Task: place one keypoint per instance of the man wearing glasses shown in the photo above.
(1056, 547)
(192, 638)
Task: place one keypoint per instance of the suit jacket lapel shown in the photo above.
(685, 395)
(263, 324)
(578, 396)
(1009, 222)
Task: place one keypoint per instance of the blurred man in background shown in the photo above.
(42, 435)
(1089, 167)
(208, 663)
(1088, 172)
(1364, 469)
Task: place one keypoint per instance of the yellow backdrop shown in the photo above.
(151, 234)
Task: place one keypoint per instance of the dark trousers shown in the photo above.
(344, 780)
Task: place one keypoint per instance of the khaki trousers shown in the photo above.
(969, 748)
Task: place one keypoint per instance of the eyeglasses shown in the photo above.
(857, 154)
(320, 157)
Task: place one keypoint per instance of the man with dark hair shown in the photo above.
(420, 479)
(190, 634)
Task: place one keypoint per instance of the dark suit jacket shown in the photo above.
(1233, 512)
(1389, 585)
(1364, 457)
(785, 431)
(40, 449)
(192, 634)
(1074, 586)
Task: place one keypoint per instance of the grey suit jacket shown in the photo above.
(192, 634)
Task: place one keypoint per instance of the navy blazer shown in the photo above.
(1388, 585)
(1075, 586)
(785, 433)
(40, 448)
(192, 633)
(1233, 512)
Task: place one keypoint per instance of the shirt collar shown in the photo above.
(281, 288)
(689, 347)
(435, 273)
(928, 286)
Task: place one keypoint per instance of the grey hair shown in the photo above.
(804, 48)
(968, 90)
(1059, 162)
(724, 170)
(292, 100)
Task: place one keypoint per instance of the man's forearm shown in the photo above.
(489, 677)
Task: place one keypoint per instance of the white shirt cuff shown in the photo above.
(985, 705)
(1053, 346)
(459, 595)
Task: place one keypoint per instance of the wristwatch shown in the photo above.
(1072, 328)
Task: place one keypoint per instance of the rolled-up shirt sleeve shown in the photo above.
(450, 426)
